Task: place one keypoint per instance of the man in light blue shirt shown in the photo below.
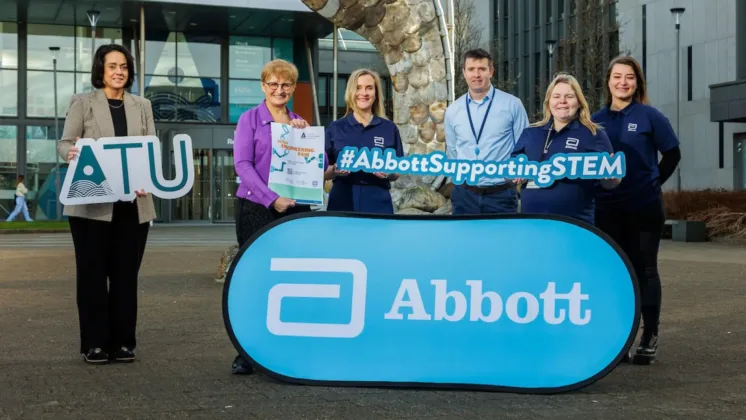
(483, 124)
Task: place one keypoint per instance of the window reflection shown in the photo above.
(8, 45)
(104, 36)
(41, 161)
(40, 94)
(247, 56)
(9, 96)
(41, 37)
(178, 54)
(8, 170)
(243, 94)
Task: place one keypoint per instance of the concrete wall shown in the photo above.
(710, 28)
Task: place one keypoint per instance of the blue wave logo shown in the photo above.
(86, 188)
(516, 303)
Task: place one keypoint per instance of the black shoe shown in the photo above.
(241, 366)
(123, 354)
(96, 356)
(647, 350)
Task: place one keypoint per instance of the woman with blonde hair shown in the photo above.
(364, 125)
(566, 128)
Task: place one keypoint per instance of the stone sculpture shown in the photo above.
(407, 33)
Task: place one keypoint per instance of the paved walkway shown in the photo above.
(185, 355)
(160, 235)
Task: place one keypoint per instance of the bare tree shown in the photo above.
(591, 42)
(467, 35)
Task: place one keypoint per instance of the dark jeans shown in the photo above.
(107, 310)
(469, 202)
(251, 217)
(638, 233)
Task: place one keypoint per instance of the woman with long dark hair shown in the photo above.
(109, 238)
(633, 214)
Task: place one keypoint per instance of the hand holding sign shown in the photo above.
(122, 168)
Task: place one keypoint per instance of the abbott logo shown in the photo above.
(288, 290)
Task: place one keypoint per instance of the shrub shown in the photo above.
(723, 211)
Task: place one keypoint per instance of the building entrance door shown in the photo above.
(196, 205)
(225, 186)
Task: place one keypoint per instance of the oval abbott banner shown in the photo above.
(515, 303)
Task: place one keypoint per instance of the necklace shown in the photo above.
(115, 107)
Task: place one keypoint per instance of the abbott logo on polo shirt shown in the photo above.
(319, 291)
(414, 300)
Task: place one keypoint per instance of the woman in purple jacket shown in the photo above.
(256, 204)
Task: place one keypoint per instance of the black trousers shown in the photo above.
(251, 217)
(639, 234)
(113, 251)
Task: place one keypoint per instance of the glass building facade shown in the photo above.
(202, 71)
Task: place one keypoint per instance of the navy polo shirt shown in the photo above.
(347, 131)
(567, 197)
(640, 131)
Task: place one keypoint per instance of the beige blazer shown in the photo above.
(89, 117)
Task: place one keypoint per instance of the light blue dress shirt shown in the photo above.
(505, 123)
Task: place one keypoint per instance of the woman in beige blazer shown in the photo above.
(109, 238)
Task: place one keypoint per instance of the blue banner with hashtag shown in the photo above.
(544, 174)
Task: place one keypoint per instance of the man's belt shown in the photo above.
(489, 189)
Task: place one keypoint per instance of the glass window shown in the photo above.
(243, 94)
(341, 89)
(8, 45)
(8, 168)
(198, 56)
(41, 37)
(41, 161)
(160, 53)
(9, 96)
(83, 44)
(247, 56)
(83, 83)
(282, 48)
(188, 99)
(322, 90)
(40, 95)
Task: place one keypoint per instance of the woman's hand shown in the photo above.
(338, 172)
(299, 123)
(281, 204)
(381, 175)
(141, 193)
(72, 152)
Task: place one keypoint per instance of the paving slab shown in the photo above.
(184, 354)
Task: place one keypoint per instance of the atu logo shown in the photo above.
(467, 316)
(113, 168)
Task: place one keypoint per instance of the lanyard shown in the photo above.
(471, 123)
(547, 145)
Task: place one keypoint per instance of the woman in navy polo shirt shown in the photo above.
(633, 214)
(364, 125)
(566, 128)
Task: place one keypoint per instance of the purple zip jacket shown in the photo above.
(252, 154)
